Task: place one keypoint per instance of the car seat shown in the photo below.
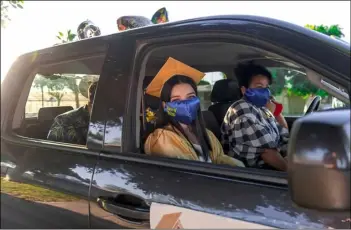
(225, 92)
(46, 117)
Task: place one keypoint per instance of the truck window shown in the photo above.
(62, 90)
(292, 88)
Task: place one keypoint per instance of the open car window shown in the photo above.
(205, 87)
(292, 88)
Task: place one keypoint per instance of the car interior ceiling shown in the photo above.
(227, 55)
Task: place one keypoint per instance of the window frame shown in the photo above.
(242, 174)
(141, 57)
(30, 90)
(19, 115)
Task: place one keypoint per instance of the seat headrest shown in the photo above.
(147, 81)
(49, 113)
(225, 90)
(152, 102)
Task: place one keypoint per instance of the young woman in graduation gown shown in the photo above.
(181, 131)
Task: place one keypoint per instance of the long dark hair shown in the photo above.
(198, 126)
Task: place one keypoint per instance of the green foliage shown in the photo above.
(279, 83)
(56, 88)
(203, 82)
(41, 82)
(295, 82)
(55, 85)
(301, 86)
(5, 6)
(333, 30)
(68, 37)
(71, 83)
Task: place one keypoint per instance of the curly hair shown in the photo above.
(245, 72)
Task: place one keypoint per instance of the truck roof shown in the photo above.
(341, 45)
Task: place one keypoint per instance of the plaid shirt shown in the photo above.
(248, 130)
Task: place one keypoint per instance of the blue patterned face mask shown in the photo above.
(258, 96)
(183, 111)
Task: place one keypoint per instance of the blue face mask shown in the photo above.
(183, 111)
(258, 96)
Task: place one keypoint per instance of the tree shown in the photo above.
(56, 88)
(203, 82)
(72, 85)
(5, 5)
(41, 82)
(279, 80)
(299, 84)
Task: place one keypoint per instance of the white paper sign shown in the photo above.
(171, 217)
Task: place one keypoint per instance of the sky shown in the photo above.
(37, 25)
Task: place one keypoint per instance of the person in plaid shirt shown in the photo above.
(254, 130)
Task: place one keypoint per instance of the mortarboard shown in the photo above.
(171, 68)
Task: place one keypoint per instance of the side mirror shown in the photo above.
(319, 161)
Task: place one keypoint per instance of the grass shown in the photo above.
(33, 192)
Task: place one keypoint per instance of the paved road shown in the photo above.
(19, 213)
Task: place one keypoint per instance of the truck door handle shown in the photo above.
(109, 204)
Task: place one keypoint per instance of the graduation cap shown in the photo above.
(171, 68)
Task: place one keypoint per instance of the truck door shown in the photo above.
(134, 190)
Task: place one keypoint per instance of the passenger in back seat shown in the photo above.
(181, 131)
(72, 126)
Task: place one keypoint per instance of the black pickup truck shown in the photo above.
(111, 183)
